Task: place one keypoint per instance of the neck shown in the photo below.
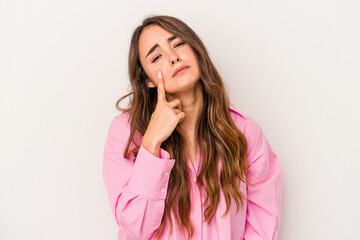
(191, 103)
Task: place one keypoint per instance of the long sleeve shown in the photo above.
(136, 190)
(264, 198)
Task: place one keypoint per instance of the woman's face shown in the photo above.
(159, 50)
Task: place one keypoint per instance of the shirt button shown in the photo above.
(194, 179)
(166, 173)
(163, 190)
(196, 213)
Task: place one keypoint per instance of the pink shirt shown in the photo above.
(137, 191)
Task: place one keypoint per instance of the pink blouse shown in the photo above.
(137, 190)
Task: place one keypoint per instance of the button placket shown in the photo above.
(196, 212)
(166, 174)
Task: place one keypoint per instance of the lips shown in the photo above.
(179, 69)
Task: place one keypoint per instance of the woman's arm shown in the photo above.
(264, 198)
(136, 191)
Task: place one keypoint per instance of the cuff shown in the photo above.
(150, 176)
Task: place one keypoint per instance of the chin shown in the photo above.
(182, 87)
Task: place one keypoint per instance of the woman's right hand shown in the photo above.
(164, 119)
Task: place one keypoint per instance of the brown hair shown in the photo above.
(216, 133)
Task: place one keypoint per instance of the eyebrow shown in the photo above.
(157, 45)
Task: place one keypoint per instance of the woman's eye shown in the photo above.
(155, 59)
(180, 43)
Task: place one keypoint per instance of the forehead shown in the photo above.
(150, 36)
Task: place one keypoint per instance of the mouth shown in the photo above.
(180, 70)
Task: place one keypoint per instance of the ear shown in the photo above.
(149, 83)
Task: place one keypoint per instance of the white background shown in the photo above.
(293, 66)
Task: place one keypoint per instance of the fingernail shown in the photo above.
(159, 74)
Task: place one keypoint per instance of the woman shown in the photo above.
(180, 163)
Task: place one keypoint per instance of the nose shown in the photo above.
(174, 58)
(173, 62)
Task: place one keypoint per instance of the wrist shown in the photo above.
(152, 146)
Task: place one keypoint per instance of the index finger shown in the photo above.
(160, 88)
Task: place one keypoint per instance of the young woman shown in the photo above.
(180, 163)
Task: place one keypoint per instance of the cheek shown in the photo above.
(191, 55)
(149, 71)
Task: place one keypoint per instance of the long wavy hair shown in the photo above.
(217, 136)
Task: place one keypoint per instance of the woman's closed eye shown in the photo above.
(180, 43)
(157, 57)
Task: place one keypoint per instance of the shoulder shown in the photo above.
(250, 128)
(123, 117)
(246, 124)
(120, 124)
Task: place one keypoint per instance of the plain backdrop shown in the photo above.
(292, 66)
